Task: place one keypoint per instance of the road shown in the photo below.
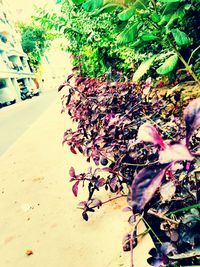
(16, 119)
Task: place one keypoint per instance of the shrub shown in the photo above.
(158, 175)
(160, 32)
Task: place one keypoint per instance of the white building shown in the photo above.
(14, 67)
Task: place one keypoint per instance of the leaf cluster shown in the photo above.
(156, 170)
(152, 29)
(35, 41)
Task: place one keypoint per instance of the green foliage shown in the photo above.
(92, 38)
(129, 34)
(143, 68)
(91, 5)
(180, 37)
(168, 65)
(35, 40)
(126, 14)
(101, 32)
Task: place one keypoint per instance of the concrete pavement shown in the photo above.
(16, 119)
(38, 210)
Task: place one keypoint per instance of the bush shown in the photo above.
(156, 170)
(157, 36)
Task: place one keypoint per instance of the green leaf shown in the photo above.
(137, 43)
(92, 5)
(171, 90)
(148, 37)
(170, 1)
(155, 17)
(128, 35)
(109, 7)
(168, 65)
(78, 2)
(181, 38)
(170, 7)
(189, 254)
(126, 14)
(130, 11)
(178, 15)
(143, 68)
(140, 4)
(184, 209)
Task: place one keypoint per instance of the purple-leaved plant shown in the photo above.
(153, 167)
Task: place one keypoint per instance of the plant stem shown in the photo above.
(111, 199)
(158, 239)
(197, 189)
(162, 217)
(193, 54)
(140, 165)
(133, 236)
(188, 68)
(131, 245)
(143, 233)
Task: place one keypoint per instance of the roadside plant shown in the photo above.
(91, 39)
(157, 29)
(141, 155)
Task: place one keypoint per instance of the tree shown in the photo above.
(35, 41)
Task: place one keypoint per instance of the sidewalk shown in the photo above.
(38, 210)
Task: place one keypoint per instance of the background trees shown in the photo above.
(35, 41)
(157, 36)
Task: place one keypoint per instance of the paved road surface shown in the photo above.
(16, 119)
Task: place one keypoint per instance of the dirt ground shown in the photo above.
(38, 210)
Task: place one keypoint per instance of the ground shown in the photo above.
(16, 119)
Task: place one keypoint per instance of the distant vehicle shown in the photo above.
(26, 91)
(6, 96)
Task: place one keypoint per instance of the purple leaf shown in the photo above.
(126, 242)
(192, 117)
(69, 77)
(73, 150)
(167, 248)
(126, 209)
(61, 87)
(95, 156)
(96, 203)
(95, 116)
(75, 188)
(113, 182)
(82, 204)
(75, 68)
(72, 172)
(100, 182)
(131, 219)
(148, 133)
(79, 80)
(145, 184)
(175, 152)
(85, 216)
